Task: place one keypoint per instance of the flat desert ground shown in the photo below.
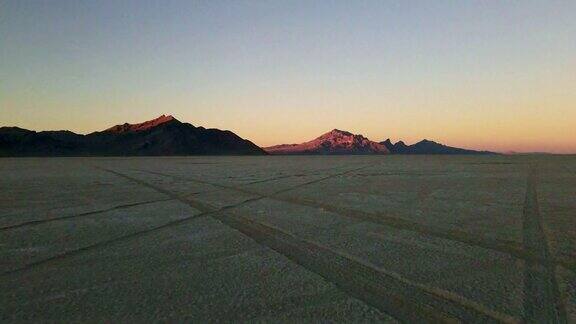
(288, 239)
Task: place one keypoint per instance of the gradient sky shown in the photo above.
(498, 75)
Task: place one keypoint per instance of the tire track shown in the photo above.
(95, 212)
(288, 176)
(507, 247)
(512, 248)
(542, 302)
(250, 192)
(100, 244)
(270, 179)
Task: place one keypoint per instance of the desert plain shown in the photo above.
(288, 239)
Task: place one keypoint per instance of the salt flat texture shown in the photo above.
(289, 238)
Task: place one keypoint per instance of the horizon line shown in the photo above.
(503, 152)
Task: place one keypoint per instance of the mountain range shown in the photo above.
(166, 135)
(427, 147)
(342, 142)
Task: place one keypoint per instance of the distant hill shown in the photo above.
(333, 142)
(164, 135)
(427, 147)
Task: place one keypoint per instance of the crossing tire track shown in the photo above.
(396, 297)
(399, 298)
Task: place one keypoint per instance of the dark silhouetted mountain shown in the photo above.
(15, 141)
(333, 142)
(164, 135)
(388, 144)
(427, 147)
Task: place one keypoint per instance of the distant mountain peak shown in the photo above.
(335, 141)
(126, 127)
(388, 144)
(164, 118)
(336, 131)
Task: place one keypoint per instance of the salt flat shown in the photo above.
(289, 238)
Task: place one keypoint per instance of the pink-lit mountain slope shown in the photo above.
(141, 126)
(333, 142)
